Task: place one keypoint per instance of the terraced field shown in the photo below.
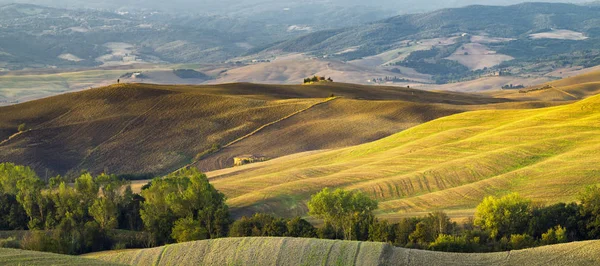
(450, 164)
(295, 251)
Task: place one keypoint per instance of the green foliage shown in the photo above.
(422, 234)
(105, 209)
(521, 241)
(502, 216)
(22, 127)
(450, 243)
(10, 242)
(327, 231)
(554, 236)
(342, 209)
(183, 206)
(105, 213)
(11, 174)
(266, 225)
(381, 231)
(12, 214)
(187, 229)
(183, 194)
(298, 227)
(590, 210)
(546, 218)
(129, 211)
(429, 228)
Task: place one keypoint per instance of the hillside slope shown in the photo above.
(295, 251)
(142, 128)
(567, 89)
(451, 163)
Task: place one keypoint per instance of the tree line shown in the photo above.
(95, 213)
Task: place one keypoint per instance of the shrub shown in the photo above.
(554, 236)
(38, 241)
(450, 243)
(521, 241)
(10, 242)
(22, 127)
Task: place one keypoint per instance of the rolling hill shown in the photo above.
(380, 36)
(296, 251)
(154, 129)
(449, 164)
(462, 44)
(567, 89)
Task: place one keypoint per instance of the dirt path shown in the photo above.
(562, 91)
(13, 136)
(267, 125)
(277, 121)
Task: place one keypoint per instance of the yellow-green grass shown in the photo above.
(143, 128)
(25, 257)
(298, 251)
(452, 163)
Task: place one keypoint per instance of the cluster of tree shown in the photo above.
(190, 74)
(389, 79)
(66, 218)
(506, 223)
(500, 224)
(80, 217)
(184, 206)
(512, 87)
(317, 79)
(267, 225)
(102, 212)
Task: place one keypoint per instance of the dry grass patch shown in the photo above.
(297, 251)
